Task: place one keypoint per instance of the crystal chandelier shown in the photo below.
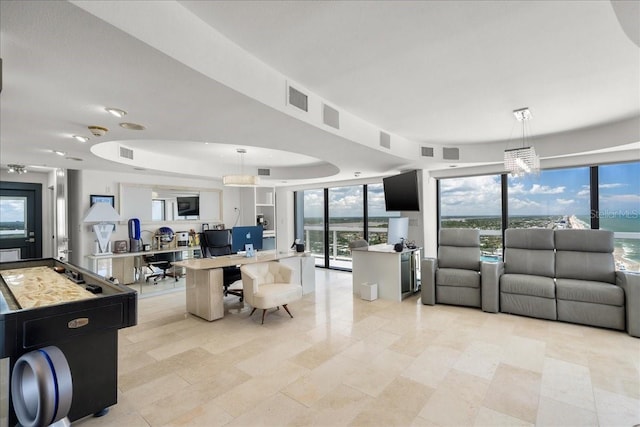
(522, 161)
(242, 180)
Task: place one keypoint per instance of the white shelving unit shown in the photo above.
(260, 201)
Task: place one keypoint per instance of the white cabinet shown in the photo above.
(259, 204)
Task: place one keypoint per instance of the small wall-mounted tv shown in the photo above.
(401, 192)
(188, 206)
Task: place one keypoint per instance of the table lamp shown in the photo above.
(103, 215)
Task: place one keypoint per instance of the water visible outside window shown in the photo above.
(13, 217)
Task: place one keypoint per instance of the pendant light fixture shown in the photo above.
(241, 180)
(524, 160)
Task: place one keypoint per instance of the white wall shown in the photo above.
(98, 182)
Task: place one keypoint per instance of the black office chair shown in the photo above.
(215, 243)
(163, 262)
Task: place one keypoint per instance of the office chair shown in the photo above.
(218, 243)
(163, 262)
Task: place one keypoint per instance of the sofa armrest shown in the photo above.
(630, 283)
(428, 280)
(490, 273)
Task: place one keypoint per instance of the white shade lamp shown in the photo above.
(103, 215)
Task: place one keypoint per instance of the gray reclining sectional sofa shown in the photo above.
(566, 275)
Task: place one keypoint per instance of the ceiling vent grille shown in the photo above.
(330, 116)
(126, 153)
(451, 153)
(385, 140)
(264, 172)
(426, 151)
(298, 99)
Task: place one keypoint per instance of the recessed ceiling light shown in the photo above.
(81, 138)
(59, 153)
(116, 112)
(132, 126)
(98, 130)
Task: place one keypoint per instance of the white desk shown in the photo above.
(124, 265)
(396, 273)
(204, 284)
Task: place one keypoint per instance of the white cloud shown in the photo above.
(544, 189)
(470, 196)
(516, 204)
(612, 185)
(565, 202)
(584, 192)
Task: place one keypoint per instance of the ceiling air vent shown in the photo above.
(298, 99)
(264, 172)
(330, 116)
(126, 153)
(385, 140)
(426, 151)
(450, 153)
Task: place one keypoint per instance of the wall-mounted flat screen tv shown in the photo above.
(188, 206)
(401, 192)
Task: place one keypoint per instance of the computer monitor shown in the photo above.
(398, 229)
(243, 235)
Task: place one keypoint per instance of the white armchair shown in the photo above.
(268, 285)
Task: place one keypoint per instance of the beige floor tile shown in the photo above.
(272, 358)
(373, 376)
(567, 382)
(525, 353)
(480, 359)
(397, 405)
(206, 415)
(319, 382)
(414, 342)
(252, 392)
(553, 413)
(276, 410)
(490, 418)
(456, 401)
(515, 392)
(616, 410)
(322, 351)
(338, 407)
(155, 390)
(432, 366)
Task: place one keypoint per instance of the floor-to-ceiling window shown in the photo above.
(619, 211)
(474, 202)
(346, 223)
(313, 220)
(333, 217)
(556, 199)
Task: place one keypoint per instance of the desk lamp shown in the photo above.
(103, 216)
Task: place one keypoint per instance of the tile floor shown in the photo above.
(344, 361)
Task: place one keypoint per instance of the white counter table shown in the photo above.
(397, 274)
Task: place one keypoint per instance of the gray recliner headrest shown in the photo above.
(529, 238)
(584, 240)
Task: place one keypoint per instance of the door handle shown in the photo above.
(31, 240)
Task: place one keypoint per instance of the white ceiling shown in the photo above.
(429, 73)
